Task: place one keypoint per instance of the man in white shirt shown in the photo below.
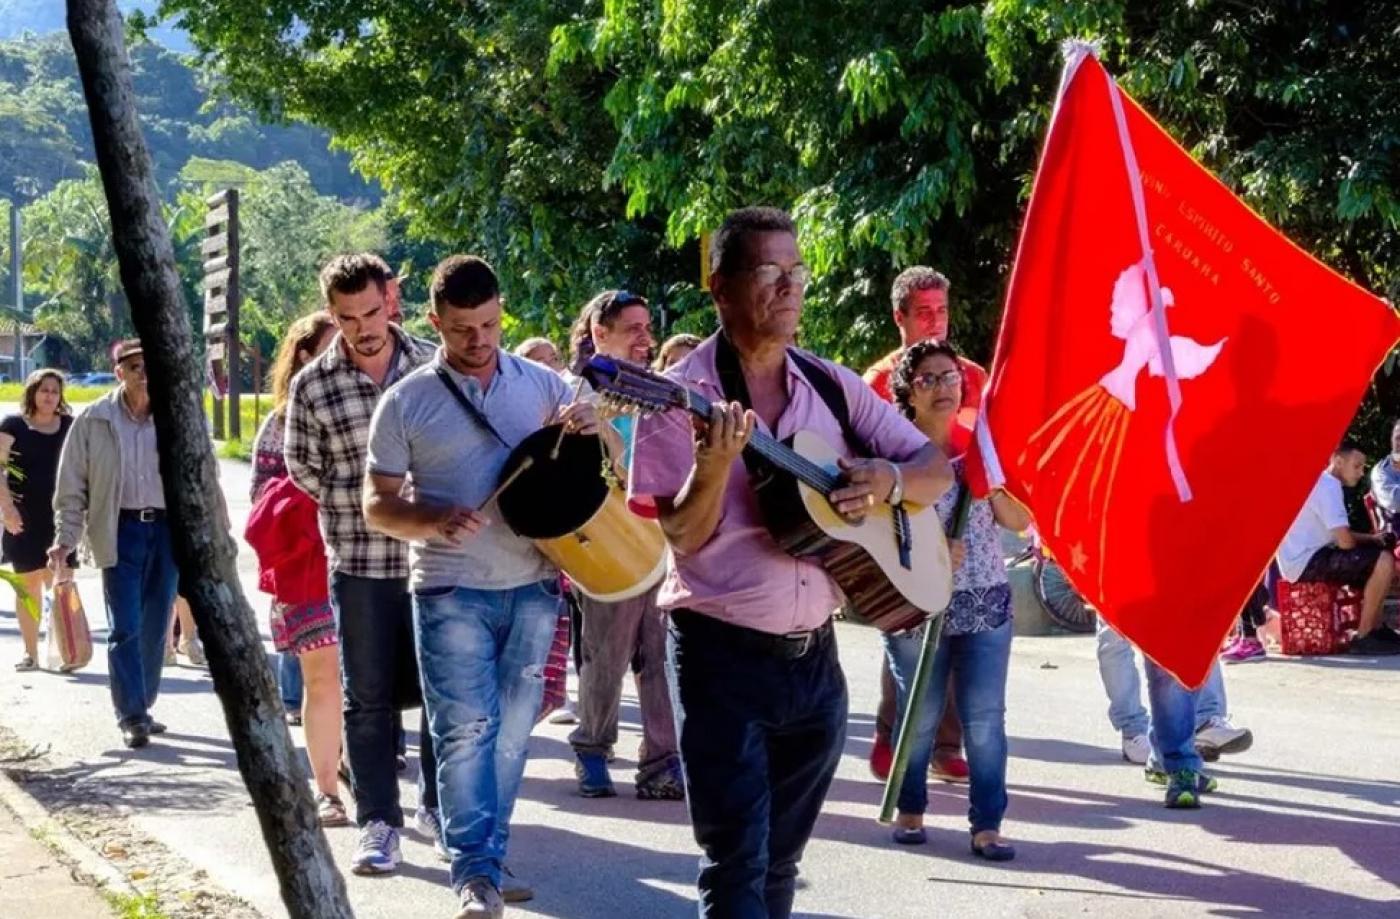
(1321, 546)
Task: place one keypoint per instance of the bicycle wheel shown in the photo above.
(1059, 598)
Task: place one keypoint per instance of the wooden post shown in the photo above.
(222, 297)
(271, 767)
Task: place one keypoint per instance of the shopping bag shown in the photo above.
(70, 641)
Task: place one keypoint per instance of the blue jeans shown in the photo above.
(379, 676)
(760, 737)
(482, 655)
(1118, 670)
(139, 593)
(978, 663)
(1175, 714)
(289, 680)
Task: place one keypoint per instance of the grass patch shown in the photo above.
(234, 449)
(250, 415)
(251, 410)
(134, 906)
(76, 395)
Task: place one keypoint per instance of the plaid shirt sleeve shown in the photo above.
(302, 440)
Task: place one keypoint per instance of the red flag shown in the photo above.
(1170, 377)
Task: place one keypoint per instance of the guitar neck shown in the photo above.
(775, 452)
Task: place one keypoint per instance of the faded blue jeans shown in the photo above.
(978, 662)
(139, 591)
(1175, 715)
(481, 657)
(1118, 670)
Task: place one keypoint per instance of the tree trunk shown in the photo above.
(204, 550)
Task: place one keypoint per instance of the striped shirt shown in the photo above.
(326, 443)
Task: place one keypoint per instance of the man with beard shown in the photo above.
(485, 600)
(328, 415)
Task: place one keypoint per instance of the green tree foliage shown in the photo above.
(584, 143)
(288, 233)
(70, 263)
(45, 137)
(588, 143)
(289, 230)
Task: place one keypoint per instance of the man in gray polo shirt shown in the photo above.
(485, 601)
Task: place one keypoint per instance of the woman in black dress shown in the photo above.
(30, 443)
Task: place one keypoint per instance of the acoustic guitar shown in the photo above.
(893, 565)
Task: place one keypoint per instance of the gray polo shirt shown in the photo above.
(420, 432)
(140, 484)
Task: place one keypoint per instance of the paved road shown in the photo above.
(1307, 822)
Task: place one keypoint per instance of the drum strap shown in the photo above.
(476, 414)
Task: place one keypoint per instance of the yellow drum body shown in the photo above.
(616, 555)
(578, 520)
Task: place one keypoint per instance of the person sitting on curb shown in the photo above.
(1321, 547)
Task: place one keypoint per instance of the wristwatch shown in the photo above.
(896, 490)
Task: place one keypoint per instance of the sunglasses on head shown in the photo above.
(625, 298)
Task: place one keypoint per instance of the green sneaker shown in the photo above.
(1155, 774)
(1184, 789)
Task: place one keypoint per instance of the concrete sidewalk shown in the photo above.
(35, 883)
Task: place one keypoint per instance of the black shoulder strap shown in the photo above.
(731, 380)
(475, 413)
(833, 395)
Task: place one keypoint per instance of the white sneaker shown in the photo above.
(378, 852)
(564, 714)
(1221, 736)
(1137, 749)
(428, 822)
(194, 651)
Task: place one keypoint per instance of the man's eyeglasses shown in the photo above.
(769, 274)
(948, 379)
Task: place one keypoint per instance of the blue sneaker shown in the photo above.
(593, 779)
(378, 852)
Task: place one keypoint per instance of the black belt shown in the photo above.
(791, 646)
(143, 514)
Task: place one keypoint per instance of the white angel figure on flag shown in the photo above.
(1130, 319)
(1094, 423)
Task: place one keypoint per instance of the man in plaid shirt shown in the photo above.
(328, 413)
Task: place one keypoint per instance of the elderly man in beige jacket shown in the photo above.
(110, 492)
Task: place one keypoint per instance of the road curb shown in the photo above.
(47, 828)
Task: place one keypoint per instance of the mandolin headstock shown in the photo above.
(633, 388)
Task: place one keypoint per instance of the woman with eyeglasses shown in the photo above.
(976, 642)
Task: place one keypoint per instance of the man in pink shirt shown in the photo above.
(761, 700)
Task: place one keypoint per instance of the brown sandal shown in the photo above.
(26, 664)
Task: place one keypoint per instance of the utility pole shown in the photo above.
(17, 282)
